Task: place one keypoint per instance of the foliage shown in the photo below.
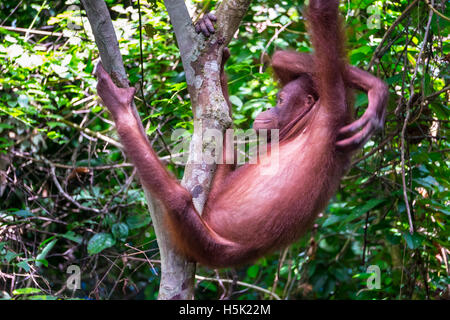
(68, 196)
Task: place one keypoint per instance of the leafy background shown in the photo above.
(68, 196)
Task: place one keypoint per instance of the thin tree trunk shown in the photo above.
(201, 66)
(176, 280)
(209, 108)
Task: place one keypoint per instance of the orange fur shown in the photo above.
(249, 214)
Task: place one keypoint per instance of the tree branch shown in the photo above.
(405, 123)
(229, 16)
(108, 46)
(187, 38)
(201, 59)
(240, 283)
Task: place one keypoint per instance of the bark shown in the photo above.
(201, 62)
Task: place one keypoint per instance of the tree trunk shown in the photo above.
(209, 109)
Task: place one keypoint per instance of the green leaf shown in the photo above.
(22, 213)
(284, 20)
(236, 101)
(412, 240)
(40, 259)
(359, 211)
(138, 221)
(42, 297)
(150, 31)
(108, 220)
(361, 100)
(24, 265)
(252, 271)
(320, 282)
(97, 109)
(332, 220)
(40, 262)
(120, 231)
(26, 291)
(6, 126)
(54, 135)
(70, 235)
(53, 124)
(9, 256)
(99, 242)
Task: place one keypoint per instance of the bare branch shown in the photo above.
(437, 12)
(67, 196)
(184, 31)
(229, 16)
(389, 31)
(405, 124)
(244, 284)
(201, 66)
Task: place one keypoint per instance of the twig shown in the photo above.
(118, 279)
(141, 62)
(389, 31)
(435, 94)
(436, 11)
(405, 123)
(113, 263)
(145, 255)
(34, 31)
(122, 189)
(366, 223)
(289, 282)
(381, 145)
(67, 166)
(34, 21)
(244, 284)
(225, 294)
(277, 274)
(12, 12)
(67, 196)
(87, 131)
(94, 134)
(277, 33)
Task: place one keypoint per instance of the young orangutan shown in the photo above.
(248, 214)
